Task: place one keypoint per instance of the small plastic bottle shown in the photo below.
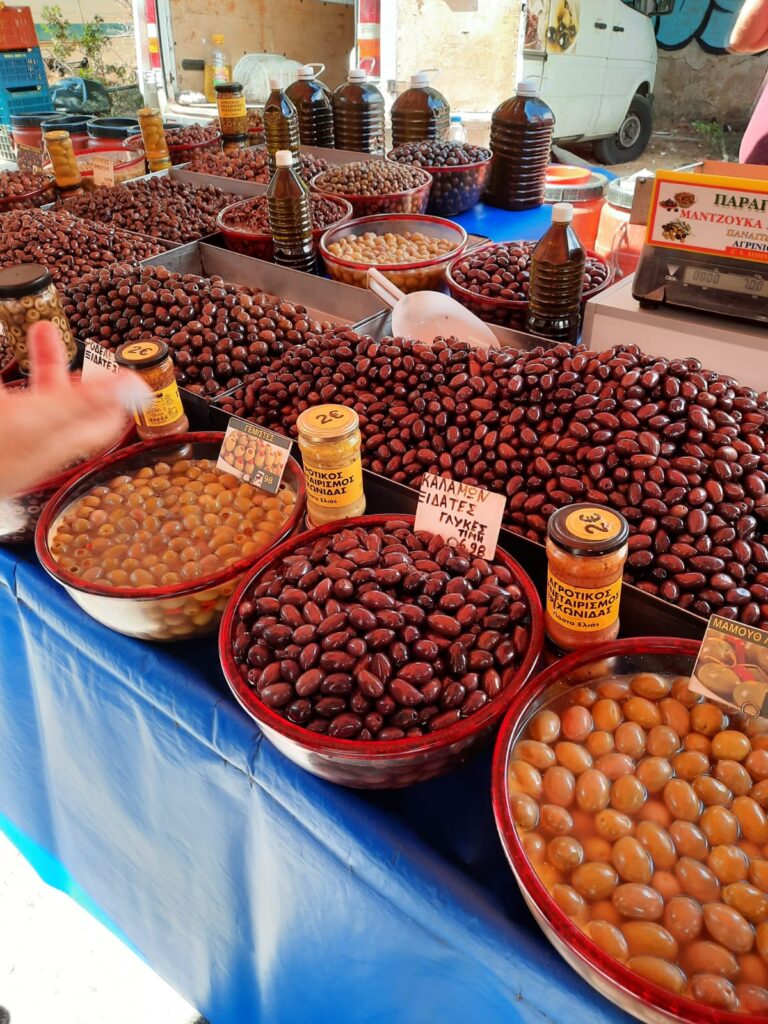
(217, 67)
(289, 217)
(358, 115)
(281, 125)
(557, 280)
(421, 112)
(314, 107)
(456, 131)
(521, 141)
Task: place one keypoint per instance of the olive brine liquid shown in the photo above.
(557, 280)
(289, 216)
(281, 125)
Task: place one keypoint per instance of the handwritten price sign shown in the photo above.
(461, 514)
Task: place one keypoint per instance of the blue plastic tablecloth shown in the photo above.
(132, 780)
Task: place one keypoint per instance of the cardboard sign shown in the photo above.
(103, 172)
(710, 214)
(255, 455)
(461, 514)
(732, 667)
(97, 360)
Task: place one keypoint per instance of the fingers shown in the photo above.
(48, 356)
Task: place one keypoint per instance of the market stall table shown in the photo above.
(132, 780)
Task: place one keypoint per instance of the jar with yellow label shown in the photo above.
(329, 439)
(233, 117)
(62, 156)
(153, 134)
(586, 551)
(164, 414)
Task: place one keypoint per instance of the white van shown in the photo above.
(595, 64)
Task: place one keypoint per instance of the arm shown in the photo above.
(58, 419)
(750, 33)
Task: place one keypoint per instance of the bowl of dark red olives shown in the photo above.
(632, 810)
(492, 281)
(375, 656)
(459, 172)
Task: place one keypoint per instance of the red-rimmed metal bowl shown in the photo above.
(259, 243)
(455, 189)
(412, 200)
(622, 986)
(36, 197)
(372, 764)
(167, 612)
(409, 277)
(180, 152)
(20, 514)
(511, 312)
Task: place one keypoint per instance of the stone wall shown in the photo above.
(692, 84)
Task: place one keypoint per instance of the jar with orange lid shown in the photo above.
(330, 443)
(586, 552)
(618, 239)
(585, 191)
(163, 414)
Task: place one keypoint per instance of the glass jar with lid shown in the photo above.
(233, 116)
(27, 295)
(164, 413)
(63, 160)
(330, 443)
(586, 552)
(153, 134)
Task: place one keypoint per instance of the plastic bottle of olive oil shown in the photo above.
(289, 216)
(281, 125)
(557, 280)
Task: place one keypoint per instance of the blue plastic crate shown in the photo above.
(26, 99)
(22, 67)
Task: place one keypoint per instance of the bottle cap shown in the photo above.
(306, 72)
(527, 87)
(455, 118)
(327, 423)
(23, 279)
(357, 75)
(217, 39)
(274, 83)
(284, 158)
(562, 213)
(141, 355)
(420, 80)
(587, 530)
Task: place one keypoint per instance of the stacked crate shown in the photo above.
(23, 84)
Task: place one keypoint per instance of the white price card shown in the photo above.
(460, 513)
(732, 667)
(255, 455)
(97, 360)
(103, 172)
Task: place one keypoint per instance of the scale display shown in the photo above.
(708, 284)
(706, 246)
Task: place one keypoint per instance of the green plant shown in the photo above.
(91, 44)
(714, 133)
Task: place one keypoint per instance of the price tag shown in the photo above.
(461, 514)
(255, 455)
(732, 667)
(103, 172)
(97, 360)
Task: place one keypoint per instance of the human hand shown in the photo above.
(750, 33)
(58, 420)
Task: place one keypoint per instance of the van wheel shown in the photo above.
(633, 136)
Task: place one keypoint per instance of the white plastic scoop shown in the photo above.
(425, 316)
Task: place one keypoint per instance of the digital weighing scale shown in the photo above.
(707, 246)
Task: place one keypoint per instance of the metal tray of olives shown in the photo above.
(380, 326)
(335, 158)
(642, 614)
(324, 299)
(166, 243)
